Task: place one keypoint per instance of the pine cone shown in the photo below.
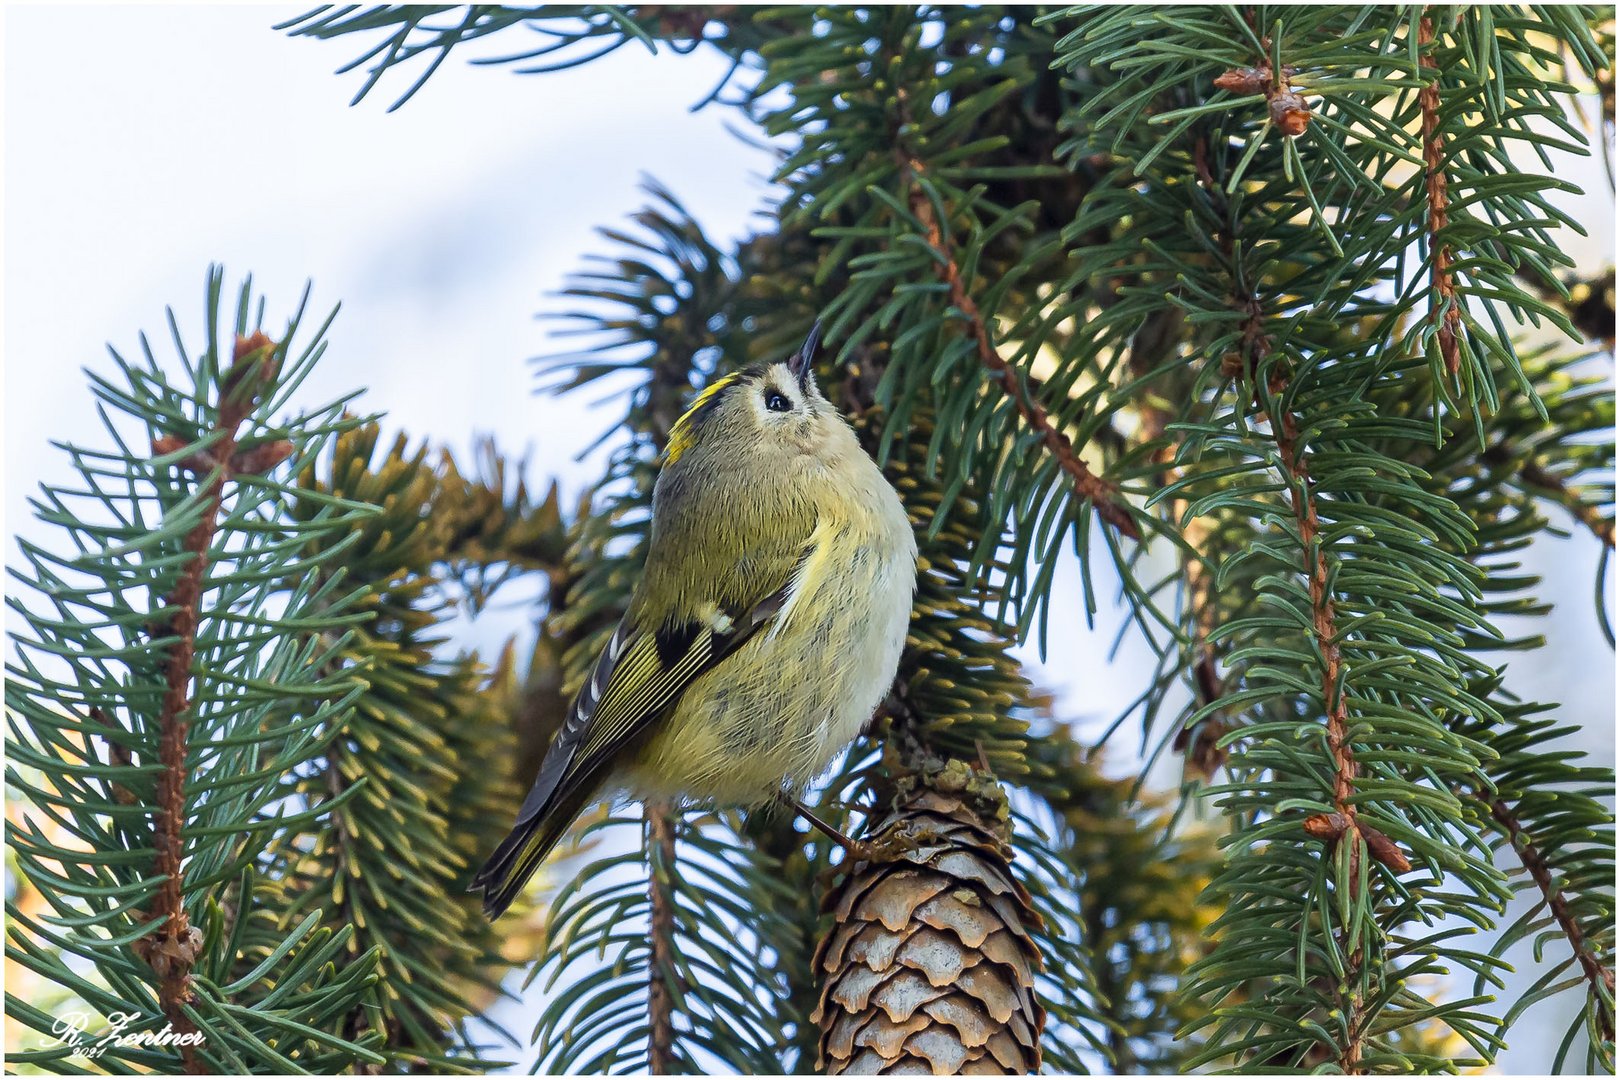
(929, 967)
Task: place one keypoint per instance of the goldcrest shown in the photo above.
(764, 632)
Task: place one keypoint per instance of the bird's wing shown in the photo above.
(638, 675)
(648, 663)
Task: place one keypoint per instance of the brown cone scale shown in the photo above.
(929, 968)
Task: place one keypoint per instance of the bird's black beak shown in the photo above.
(803, 361)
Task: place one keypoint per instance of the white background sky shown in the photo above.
(143, 143)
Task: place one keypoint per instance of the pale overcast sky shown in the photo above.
(143, 143)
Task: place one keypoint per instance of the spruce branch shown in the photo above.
(191, 636)
(1444, 307)
(1550, 808)
(422, 775)
(1598, 974)
(661, 966)
(1340, 827)
(172, 946)
(1099, 492)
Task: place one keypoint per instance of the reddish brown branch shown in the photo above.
(1445, 307)
(172, 947)
(1094, 488)
(1340, 826)
(1323, 623)
(1324, 627)
(1541, 873)
(661, 932)
(1256, 345)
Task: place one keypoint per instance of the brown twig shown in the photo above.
(1541, 873)
(1285, 432)
(1256, 345)
(1323, 622)
(1446, 311)
(172, 947)
(1341, 826)
(661, 931)
(1099, 492)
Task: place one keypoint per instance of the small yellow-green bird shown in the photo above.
(765, 630)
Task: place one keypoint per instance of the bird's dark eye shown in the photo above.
(776, 401)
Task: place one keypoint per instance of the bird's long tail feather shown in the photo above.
(522, 852)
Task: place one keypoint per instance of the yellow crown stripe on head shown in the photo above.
(682, 435)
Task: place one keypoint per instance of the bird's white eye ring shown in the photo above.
(776, 401)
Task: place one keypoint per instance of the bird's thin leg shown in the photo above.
(855, 849)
